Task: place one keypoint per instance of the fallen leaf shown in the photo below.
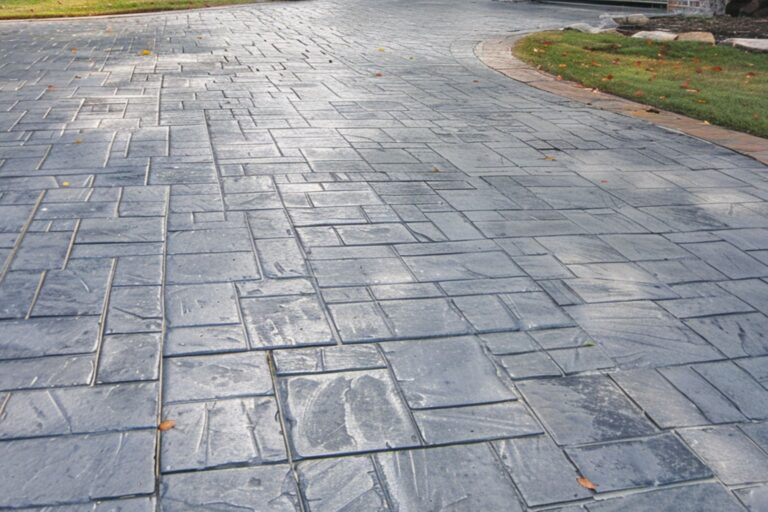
(64, 183)
(717, 69)
(166, 425)
(381, 49)
(559, 77)
(652, 111)
(550, 158)
(146, 52)
(378, 74)
(73, 50)
(638, 93)
(586, 483)
(562, 66)
(435, 169)
(78, 141)
(607, 78)
(706, 122)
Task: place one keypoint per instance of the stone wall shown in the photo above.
(697, 6)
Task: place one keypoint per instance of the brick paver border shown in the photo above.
(496, 53)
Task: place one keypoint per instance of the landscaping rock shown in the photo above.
(583, 27)
(753, 45)
(607, 21)
(698, 37)
(655, 35)
(638, 20)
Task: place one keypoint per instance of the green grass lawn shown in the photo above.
(12, 9)
(720, 85)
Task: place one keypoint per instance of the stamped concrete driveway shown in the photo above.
(363, 272)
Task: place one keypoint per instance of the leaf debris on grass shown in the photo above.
(722, 85)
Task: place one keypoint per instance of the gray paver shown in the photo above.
(348, 483)
(229, 489)
(731, 454)
(281, 321)
(216, 376)
(475, 423)
(345, 412)
(222, 432)
(540, 469)
(434, 373)
(689, 498)
(79, 410)
(584, 409)
(110, 465)
(638, 463)
(431, 479)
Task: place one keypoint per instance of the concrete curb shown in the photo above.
(497, 54)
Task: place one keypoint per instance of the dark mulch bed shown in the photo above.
(722, 27)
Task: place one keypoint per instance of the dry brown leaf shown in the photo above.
(166, 425)
(78, 141)
(550, 158)
(587, 483)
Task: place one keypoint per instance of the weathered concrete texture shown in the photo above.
(362, 271)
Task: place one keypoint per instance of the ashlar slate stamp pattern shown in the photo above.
(363, 272)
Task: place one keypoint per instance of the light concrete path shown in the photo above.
(361, 271)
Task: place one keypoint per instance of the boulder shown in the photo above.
(607, 21)
(582, 27)
(655, 35)
(753, 45)
(637, 20)
(697, 37)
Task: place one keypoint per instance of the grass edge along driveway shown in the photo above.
(717, 84)
(22, 9)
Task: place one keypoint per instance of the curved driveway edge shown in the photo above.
(497, 54)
